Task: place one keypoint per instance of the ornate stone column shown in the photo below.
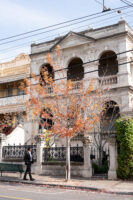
(40, 145)
(87, 169)
(112, 173)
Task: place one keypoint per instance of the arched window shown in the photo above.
(46, 121)
(75, 70)
(46, 71)
(111, 113)
(108, 64)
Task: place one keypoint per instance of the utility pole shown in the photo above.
(104, 7)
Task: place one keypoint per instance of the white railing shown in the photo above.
(13, 100)
(109, 80)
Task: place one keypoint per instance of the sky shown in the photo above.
(19, 16)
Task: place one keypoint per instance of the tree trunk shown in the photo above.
(68, 170)
(100, 156)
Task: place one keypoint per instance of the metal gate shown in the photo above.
(100, 155)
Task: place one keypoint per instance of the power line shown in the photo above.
(44, 32)
(98, 2)
(49, 30)
(96, 70)
(23, 45)
(30, 77)
(88, 62)
(95, 60)
(99, 13)
(77, 73)
(73, 29)
(127, 3)
(58, 24)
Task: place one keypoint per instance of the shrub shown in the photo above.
(100, 169)
(124, 129)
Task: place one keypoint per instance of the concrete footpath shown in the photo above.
(110, 186)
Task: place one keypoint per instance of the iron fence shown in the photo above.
(59, 154)
(17, 152)
(96, 150)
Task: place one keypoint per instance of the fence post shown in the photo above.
(2, 141)
(39, 152)
(87, 170)
(112, 174)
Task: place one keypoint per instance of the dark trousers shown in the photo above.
(28, 171)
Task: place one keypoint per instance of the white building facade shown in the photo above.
(106, 52)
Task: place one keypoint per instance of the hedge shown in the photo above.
(124, 129)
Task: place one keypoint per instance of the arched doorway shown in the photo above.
(100, 148)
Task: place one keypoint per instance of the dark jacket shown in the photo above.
(27, 159)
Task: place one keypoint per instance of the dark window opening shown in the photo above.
(46, 73)
(75, 70)
(108, 64)
(9, 91)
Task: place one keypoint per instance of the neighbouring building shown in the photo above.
(13, 99)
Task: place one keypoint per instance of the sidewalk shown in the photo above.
(119, 186)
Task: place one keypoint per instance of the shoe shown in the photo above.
(32, 179)
(25, 179)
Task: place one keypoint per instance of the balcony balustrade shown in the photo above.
(13, 100)
(109, 80)
(77, 85)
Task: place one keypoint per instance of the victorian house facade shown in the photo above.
(106, 52)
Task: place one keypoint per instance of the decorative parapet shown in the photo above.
(19, 66)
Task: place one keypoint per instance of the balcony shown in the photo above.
(13, 100)
(108, 80)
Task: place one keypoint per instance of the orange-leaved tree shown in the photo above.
(66, 106)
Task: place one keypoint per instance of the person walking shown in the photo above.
(28, 158)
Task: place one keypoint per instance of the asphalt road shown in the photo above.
(29, 192)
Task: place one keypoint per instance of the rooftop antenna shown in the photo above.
(105, 9)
